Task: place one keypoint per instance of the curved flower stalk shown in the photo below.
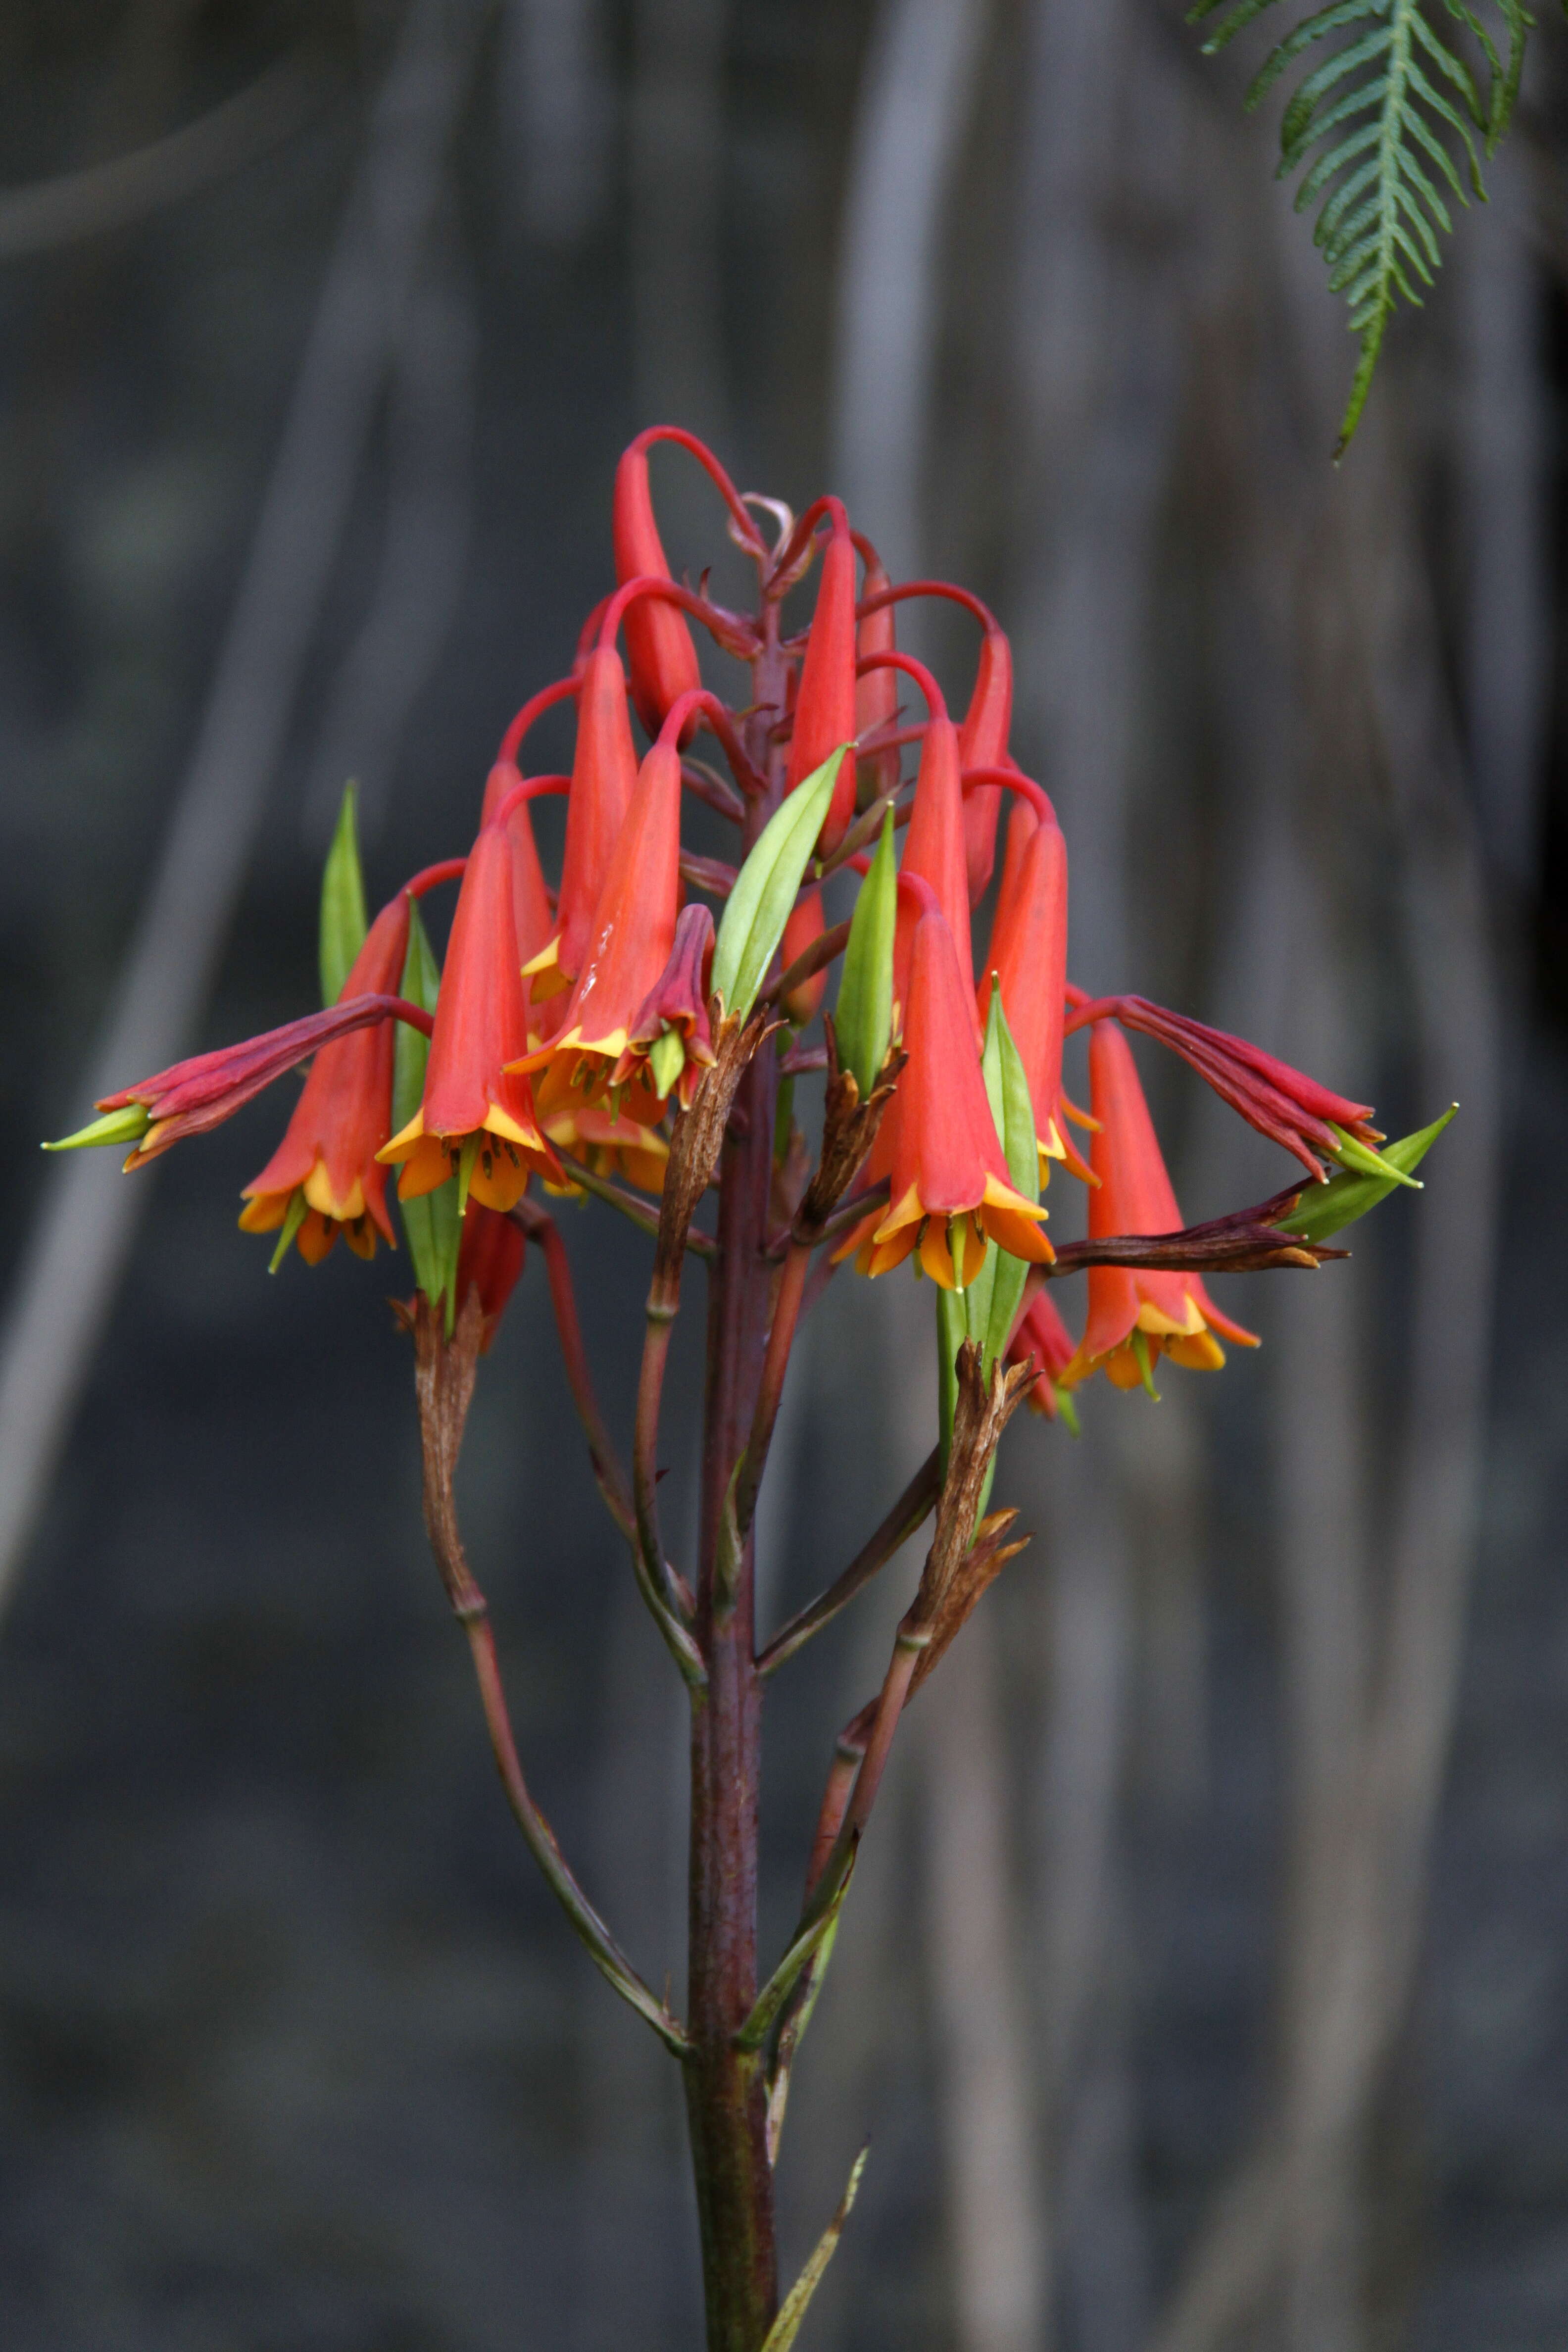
(596, 1029)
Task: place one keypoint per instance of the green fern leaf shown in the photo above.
(1405, 94)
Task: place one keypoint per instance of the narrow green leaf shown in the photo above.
(1324, 1209)
(787, 2326)
(770, 2001)
(432, 1223)
(766, 887)
(992, 1299)
(863, 1019)
(343, 918)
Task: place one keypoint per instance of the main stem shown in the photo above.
(725, 2097)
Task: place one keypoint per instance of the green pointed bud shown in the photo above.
(1364, 1162)
(863, 1019)
(1324, 1209)
(767, 888)
(1066, 1412)
(997, 1292)
(343, 918)
(294, 1216)
(667, 1059)
(472, 1146)
(432, 1224)
(127, 1126)
(1145, 1355)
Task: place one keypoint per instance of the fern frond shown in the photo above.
(1402, 102)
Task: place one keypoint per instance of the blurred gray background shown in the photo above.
(1204, 1985)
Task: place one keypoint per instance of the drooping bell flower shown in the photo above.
(876, 690)
(672, 1033)
(604, 770)
(489, 1260)
(1028, 953)
(824, 704)
(660, 654)
(607, 1141)
(533, 915)
(1043, 1339)
(476, 1118)
(951, 1190)
(934, 851)
(324, 1177)
(983, 744)
(629, 944)
(1137, 1313)
(807, 923)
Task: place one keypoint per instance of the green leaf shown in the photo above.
(343, 918)
(811, 1939)
(1326, 1209)
(863, 1020)
(127, 1126)
(787, 2326)
(433, 1223)
(766, 887)
(294, 1216)
(1389, 98)
(1364, 1162)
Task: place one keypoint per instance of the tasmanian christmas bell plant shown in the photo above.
(642, 1034)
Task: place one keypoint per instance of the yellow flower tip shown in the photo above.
(403, 1143)
(318, 1193)
(263, 1212)
(316, 1237)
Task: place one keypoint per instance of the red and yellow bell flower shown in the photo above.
(951, 1192)
(477, 1119)
(324, 1176)
(824, 703)
(1028, 955)
(672, 1035)
(1136, 1313)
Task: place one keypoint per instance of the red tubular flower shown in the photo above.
(824, 704)
(660, 652)
(342, 1120)
(604, 770)
(476, 1116)
(1043, 1339)
(630, 941)
(533, 918)
(935, 848)
(806, 922)
(877, 691)
(194, 1096)
(950, 1190)
(1136, 1314)
(672, 1034)
(1029, 952)
(489, 1260)
(983, 744)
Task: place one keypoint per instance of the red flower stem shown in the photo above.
(936, 701)
(905, 588)
(821, 951)
(782, 571)
(864, 831)
(603, 1948)
(605, 1188)
(528, 788)
(1012, 780)
(848, 1755)
(769, 1390)
(534, 707)
(727, 629)
(662, 1314)
(726, 2092)
(750, 536)
(707, 784)
(801, 1060)
(430, 877)
(721, 727)
(541, 1227)
(907, 1514)
(848, 1214)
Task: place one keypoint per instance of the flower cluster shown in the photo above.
(568, 1028)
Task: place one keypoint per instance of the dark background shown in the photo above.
(1203, 1984)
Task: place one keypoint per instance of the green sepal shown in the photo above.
(665, 1060)
(127, 1126)
(343, 918)
(294, 1216)
(863, 1020)
(1066, 1411)
(994, 1297)
(1364, 1162)
(767, 888)
(1325, 1209)
(432, 1223)
(1145, 1355)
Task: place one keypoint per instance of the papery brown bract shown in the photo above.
(1170, 1313)
(342, 1120)
(481, 1025)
